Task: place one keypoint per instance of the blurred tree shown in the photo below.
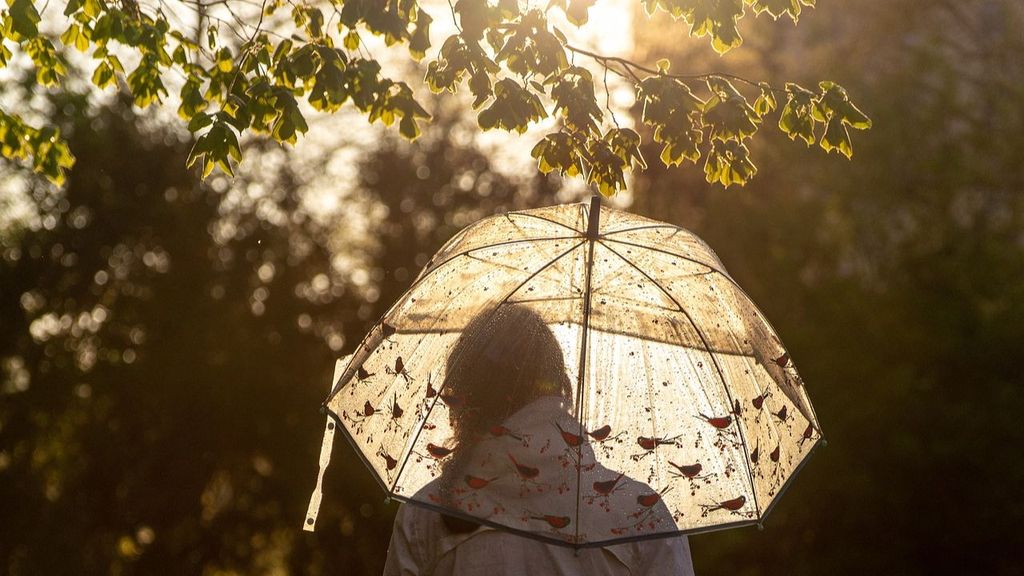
(247, 64)
(897, 284)
(159, 341)
(166, 344)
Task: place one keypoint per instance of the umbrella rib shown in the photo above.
(644, 227)
(484, 247)
(669, 253)
(441, 388)
(579, 386)
(721, 375)
(561, 542)
(548, 220)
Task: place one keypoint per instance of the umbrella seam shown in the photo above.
(548, 220)
(670, 253)
(696, 238)
(476, 248)
(721, 375)
(562, 543)
(582, 378)
(647, 227)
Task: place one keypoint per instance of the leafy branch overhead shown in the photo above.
(248, 67)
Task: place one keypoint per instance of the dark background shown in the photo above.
(165, 344)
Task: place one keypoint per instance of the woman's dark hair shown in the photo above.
(506, 358)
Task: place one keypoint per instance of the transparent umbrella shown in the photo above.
(580, 375)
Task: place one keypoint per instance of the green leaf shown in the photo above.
(200, 121)
(72, 7)
(480, 86)
(93, 8)
(606, 168)
(558, 151)
(225, 60)
(408, 128)
(513, 108)
(836, 138)
(834, 101)
(729, 163)
(578, 11)
(728, 113)
(625, 143)
(573, 93)
(351, 41)
(145, 83)
(215, 149)
(796, 120)
(419, 42)
(103, 76)
(24, 20)
(289, 120)
(765, 103)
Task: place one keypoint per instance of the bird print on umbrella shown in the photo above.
(733, 505)
(650, 443)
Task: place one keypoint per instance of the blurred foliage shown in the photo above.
(248, 64)
(167, 342)
(897, 283)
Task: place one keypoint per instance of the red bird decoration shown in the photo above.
(648, 500)
(601, 433)
(759, 400)
(498, 431)
(690, 471)
(781, 414)
(439, 451)
(807, 433)
(556, 522)
(571, 439)
(731, 505)
(526, 472)
(649, 443)
(719, 422)
(477, 483)
(606, 487)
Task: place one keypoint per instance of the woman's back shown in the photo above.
(422, 545)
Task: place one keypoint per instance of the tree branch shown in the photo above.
(632, 68)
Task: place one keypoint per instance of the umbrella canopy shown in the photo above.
(580, 375)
